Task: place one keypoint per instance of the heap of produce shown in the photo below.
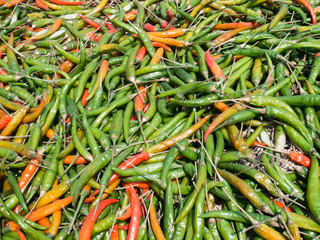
(175, 119)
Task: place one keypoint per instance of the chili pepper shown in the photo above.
(135, 216)
(100, 162)
(88, 224)
(310, 9)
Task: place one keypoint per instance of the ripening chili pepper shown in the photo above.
(230, 26)
(214, 67)
(223, 116)
(127, 214)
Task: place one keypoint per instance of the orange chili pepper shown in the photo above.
(214, 67)
(169, 41)
(161, 45)
(66, 66)
(127, 214)
(40, 4)
(33, 116)
(141, 53)
(50, 31)
(155, 224)
(63, 2)
(222, 117)
(115, 232)
(69, 159)
(50, 134)
(3, 72)
(230, 26)
(258, 144)
(28, 173)
(226, 36)
(4, 121)
(169, 33)
(21, 235)
(130, 16)
(49, 209)
(221, 106)
(157, 56)
(45, 222)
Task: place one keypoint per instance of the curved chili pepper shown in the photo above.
(87, 226)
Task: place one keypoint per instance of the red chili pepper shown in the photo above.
(133, 161)
(124, 227)
(143, 185)
(301, 159)
(310, 9)
(164, 24)
(135, 216)
(171, 28)
(230, 26)
(161, 45)
(139, 103)
(214, 67)
(21, 235)
(170, 14)
(90, 22)
(127, 215)
(108, 24)
(150, 28)
(112, 30)
(39, 29)
(1, 85)
(318, 54)
(87, 226)
(144, 110)
(282, 206)
(3, 72)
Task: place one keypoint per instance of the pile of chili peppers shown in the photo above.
(190, 119)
